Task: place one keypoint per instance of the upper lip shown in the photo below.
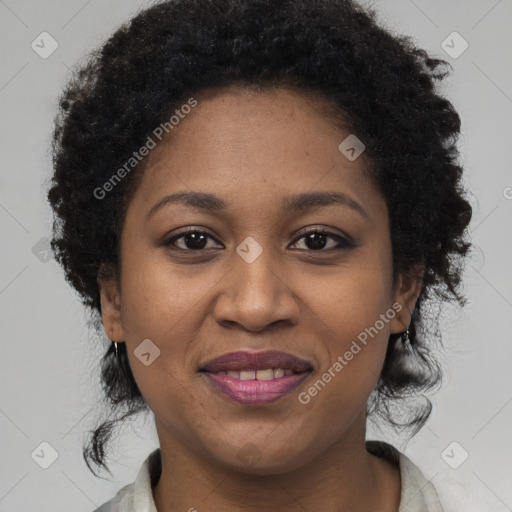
(242, 360)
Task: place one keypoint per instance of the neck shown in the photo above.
(344, 477)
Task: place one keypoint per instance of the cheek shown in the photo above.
(158, 320)
(355, 313)
(159, 308)
(352, 299)
(155, 300)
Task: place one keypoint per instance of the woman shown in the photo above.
(258, 200)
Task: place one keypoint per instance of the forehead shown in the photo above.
(254, 147)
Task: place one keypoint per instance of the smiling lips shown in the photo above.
(256, 378)
(243, 360)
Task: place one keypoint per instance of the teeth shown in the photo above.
(267, 374)
(264, 374)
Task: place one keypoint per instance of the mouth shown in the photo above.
(256, 378)
(244, 362)
(266, 374)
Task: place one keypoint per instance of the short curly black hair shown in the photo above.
(379, 83)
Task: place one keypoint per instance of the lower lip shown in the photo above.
(256, 392)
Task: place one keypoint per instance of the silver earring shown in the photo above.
(406, 342)
(115, 347)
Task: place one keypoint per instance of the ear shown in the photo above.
(110, 303)
(406, 294)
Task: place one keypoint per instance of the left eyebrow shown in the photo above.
(293, 203)
(309, 200)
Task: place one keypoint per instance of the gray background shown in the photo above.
(49, 379)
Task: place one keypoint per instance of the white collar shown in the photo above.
(417, 494)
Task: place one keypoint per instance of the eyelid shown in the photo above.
(344, 240)
(327, 231)
(185, 231)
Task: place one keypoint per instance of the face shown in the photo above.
(202, 295)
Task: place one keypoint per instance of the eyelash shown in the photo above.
(343, 243)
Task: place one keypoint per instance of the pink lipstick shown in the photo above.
(256, 378)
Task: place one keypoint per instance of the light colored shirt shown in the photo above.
(417, 494)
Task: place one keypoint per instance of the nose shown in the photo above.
(256, 295)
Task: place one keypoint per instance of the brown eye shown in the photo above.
(193, 240)
(317, 239)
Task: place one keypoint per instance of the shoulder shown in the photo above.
(137, 496)
(122, 501)
(418, 494)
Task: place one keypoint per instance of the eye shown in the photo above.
(194, 239)
(191, 237)
(316, 238)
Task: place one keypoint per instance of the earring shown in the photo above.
(115, 348)
(406, 342)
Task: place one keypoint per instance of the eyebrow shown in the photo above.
(291, 204)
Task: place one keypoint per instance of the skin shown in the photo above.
(252, 149)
